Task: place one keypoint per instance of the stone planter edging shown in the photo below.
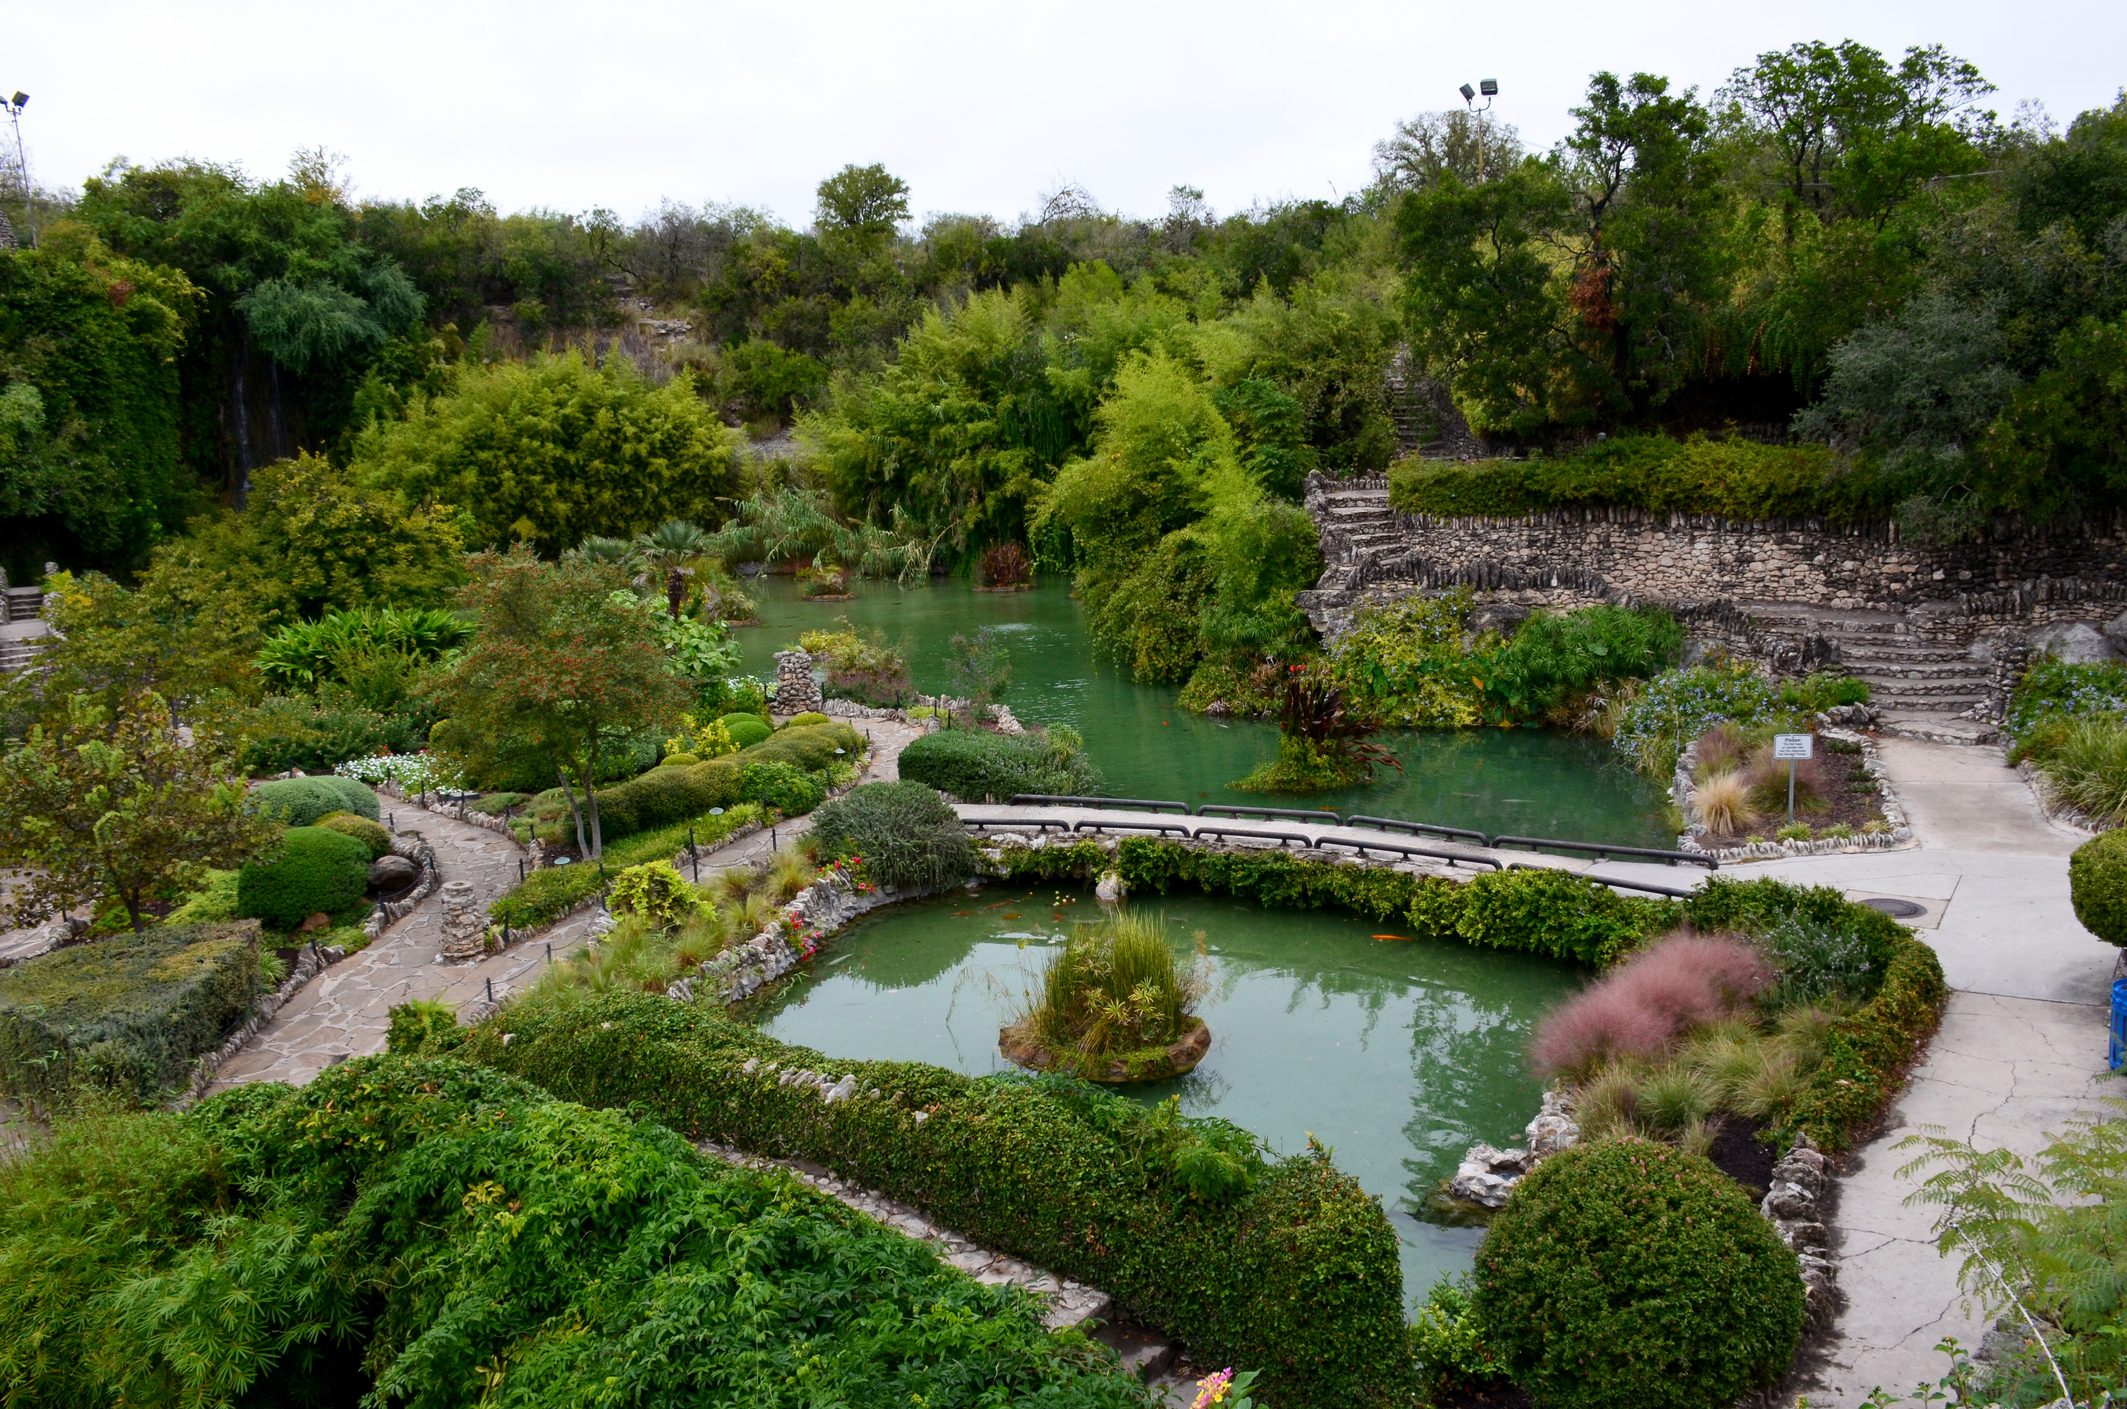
(313, 961)
(1898, 837)
(2058, 813)
(415, 848)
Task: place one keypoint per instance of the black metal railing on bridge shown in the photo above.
(1602, 851)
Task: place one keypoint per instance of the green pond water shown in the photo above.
(1521, 781)
(1396, 1054)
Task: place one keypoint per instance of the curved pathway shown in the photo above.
(346, 1010)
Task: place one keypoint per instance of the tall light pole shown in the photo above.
(14, 107)
(1490, 89)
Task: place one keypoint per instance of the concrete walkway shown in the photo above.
(2021, 1051)
(346, 1010)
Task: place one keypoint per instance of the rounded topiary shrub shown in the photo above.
(300, 802)
(788, 789)
(1630, 1272)
(909, 836)
(2097, 885)
(746, 729)
(810, 716)
(370, 834)
(316, 871)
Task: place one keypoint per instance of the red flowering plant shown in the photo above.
(851, 871)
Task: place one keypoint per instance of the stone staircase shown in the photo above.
(1914, 662)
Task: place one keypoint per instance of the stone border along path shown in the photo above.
(345, 1012)
(2021, 1050)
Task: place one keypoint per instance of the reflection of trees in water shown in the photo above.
(1469, 1064)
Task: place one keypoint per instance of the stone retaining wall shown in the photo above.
(2031, 573)
(414, 848)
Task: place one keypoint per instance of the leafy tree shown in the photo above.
(316, 538)
(553, 450)
(863, 201)
(564, 660)
(120, 805)
(186, 636)
(295, 305)
(88, 403)
(1485, 298)
(1649, 261)
(1431, 145)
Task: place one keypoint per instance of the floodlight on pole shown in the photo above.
(14, 106)
(1490, 89)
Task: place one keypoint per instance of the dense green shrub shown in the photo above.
(860, 667)
(1294, 1273)
(1731, 479)
(300, 802)
(362, 829)
(788, 790)
(2097, 885)
(433, 1233)
(1629, 1272)
(910, 838)
(810, 716)
(319, 733)
(975, 765)
(424, 1027)
(815, 748)
(746, 729)
(127, 1014)
(1672, 709)
(212, 903)
(658, 895)
(2053, 690)
(316, 871)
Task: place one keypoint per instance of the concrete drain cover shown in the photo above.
(1896, 909)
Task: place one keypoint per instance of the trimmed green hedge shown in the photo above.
(976, 765)
(300, 802)
(2097, 886)
(1731, 479)
(370, 834)
(1631, 1273)
(1554, 913)
(316, 871)
(1565, 916)
(1295, 1274)
(811, 747)
(127, 1014)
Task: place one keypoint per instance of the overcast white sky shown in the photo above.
(978, 106)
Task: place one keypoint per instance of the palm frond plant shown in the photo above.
(1323, 741)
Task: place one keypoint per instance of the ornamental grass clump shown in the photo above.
(1641, 1008)
(1114, 989)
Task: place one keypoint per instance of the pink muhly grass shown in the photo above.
(1641, 1008)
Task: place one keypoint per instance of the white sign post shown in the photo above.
(1792, 747)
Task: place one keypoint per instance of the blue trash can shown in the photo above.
(2117, 1055)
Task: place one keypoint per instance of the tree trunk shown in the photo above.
(583, 847)
(675, 590)
(598, 841)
